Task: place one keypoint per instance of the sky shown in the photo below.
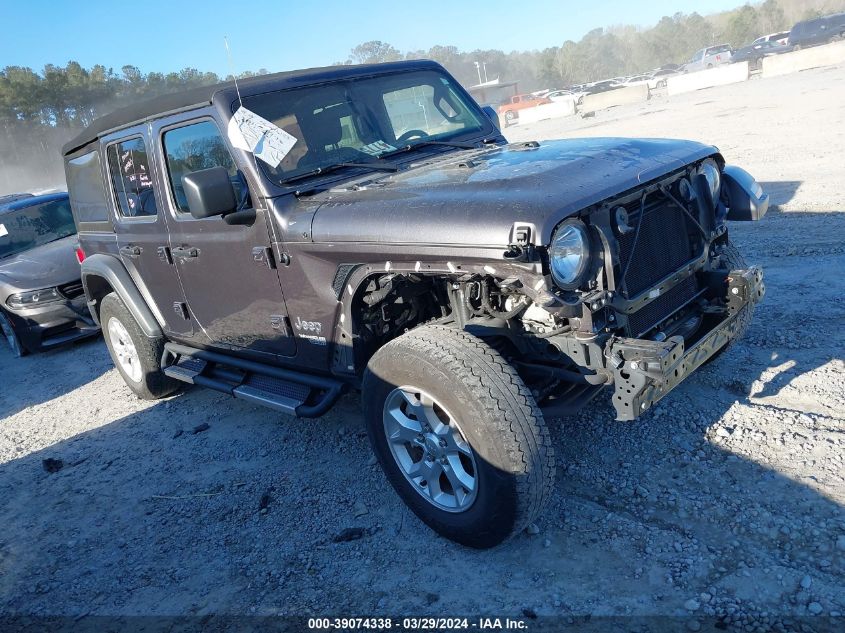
(164, 36)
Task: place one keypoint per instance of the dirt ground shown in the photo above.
(726, 500)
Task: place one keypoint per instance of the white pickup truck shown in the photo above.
(709, 58)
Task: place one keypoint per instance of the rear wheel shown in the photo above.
(10, 336)
(458, 435)
(136, 356)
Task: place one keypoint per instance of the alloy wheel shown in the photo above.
(124, 350)
(430, 449)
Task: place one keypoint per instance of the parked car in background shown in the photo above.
(509, 110)
(13, 197)
(565, 95)
(817, 31)
(600, 86)
(662, 75)
(646, 79)
(754, 53)
(709, 57)
(42, 303)
(781, 37)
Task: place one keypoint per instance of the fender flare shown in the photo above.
(112, 270)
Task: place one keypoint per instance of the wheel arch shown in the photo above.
(103, 274)
(352, 279)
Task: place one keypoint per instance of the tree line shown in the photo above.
(39, 111)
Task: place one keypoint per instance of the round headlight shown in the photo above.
(710, 170)
(569, 254)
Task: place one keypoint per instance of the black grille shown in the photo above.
(71, 290)
(663, 246)
(645, 318)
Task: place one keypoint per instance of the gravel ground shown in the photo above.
(725, 500)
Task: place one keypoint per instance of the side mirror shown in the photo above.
(746, 199)
(493, 116)
(209, 192)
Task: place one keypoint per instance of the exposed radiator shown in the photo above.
(664, 244)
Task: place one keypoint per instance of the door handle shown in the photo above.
(185, 252)
(131, 250)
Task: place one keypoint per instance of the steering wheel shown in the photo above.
(407, 136)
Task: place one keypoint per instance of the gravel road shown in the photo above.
(725, 500)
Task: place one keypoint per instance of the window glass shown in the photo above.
(23, 229)
(85, 186)
(131, 178)
(419, 108)
(195, 147)
(358, 120)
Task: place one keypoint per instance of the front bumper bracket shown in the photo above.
(646, 370)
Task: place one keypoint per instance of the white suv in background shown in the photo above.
(779, 38)
(709, 58)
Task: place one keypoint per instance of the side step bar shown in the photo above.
(291, 392)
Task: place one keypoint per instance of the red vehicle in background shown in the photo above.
(510, 109)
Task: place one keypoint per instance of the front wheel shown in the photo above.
(510, 116)
(136, 356)
(458, 435)
(11, 337)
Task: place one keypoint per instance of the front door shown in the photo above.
(228, 271)
(141, 229)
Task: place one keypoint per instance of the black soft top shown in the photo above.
(197, 97)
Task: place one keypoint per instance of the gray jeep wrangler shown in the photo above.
(368, 227)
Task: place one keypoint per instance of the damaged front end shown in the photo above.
(636, 292)
(645, 370)
(658, 291)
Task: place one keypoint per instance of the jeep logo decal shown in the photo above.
(308, 326)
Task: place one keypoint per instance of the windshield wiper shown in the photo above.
(410, 146)
(330, 168)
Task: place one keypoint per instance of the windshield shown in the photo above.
(359, 120)
(23, 229)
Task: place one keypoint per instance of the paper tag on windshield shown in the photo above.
(379, 147)
(3, 231)
(250, 132)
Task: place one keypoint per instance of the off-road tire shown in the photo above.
(153, 383)
(498, 416)
(11, 337)
(735, 261)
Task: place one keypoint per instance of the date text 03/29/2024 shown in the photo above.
(416, 624)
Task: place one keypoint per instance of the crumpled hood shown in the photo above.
(475, 198)
(45, 266)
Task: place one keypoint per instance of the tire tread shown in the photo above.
(509, 405)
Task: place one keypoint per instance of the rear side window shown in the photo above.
(131, 179)
(195, 147)
(85, 186)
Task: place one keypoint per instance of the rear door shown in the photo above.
(228, 271)
(141, 228)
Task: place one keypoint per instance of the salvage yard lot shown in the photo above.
(726, 499)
